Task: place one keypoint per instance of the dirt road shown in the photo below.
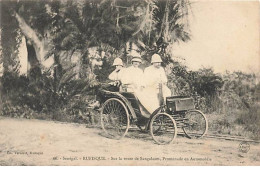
(36, 142)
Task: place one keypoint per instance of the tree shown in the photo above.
(34, 23)
(1, 102)
(51, 27)
(10, 38)
(164, 22)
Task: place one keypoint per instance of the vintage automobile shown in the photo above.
(120, 110)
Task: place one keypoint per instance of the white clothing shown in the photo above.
(132, 77)
(149, 95)
(115, 75)
(154, 76)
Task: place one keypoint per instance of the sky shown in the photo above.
(225, 36)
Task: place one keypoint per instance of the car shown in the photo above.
(120, 110)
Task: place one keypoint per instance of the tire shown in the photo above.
(114, 118)
(196, 124)
(163, 128)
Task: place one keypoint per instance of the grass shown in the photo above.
(236, 122)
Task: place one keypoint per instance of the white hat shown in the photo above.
(156, 58)
(118, 62)
(136, 59)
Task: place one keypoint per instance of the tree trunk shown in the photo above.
(37, 43)
(1, 102)
(33, 69)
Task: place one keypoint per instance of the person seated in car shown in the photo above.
(155, 85)
(115, 76)
(132, 77)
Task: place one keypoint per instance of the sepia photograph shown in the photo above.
(129, 83)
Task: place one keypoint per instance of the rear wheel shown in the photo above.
(163, 128)
(196, 124)
(115, 118)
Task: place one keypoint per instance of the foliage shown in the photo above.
(251, 120)
(164, 22)
(79, 25)
(17, 111)
(203, 85)
(240, 96)
(44, 95)
(10, 39)
(230, 100)
(240, 90)
(105, 70)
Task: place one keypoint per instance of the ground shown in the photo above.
(38, 142)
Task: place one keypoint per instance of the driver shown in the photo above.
(115, 76)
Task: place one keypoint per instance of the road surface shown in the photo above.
(39, 142)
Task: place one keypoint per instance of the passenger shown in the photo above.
(115, 76)
(155, 77)
(132, 77)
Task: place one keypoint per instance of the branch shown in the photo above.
(31, 35)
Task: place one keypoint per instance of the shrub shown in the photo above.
(203, 85)
(231, 100)
(251, 120)
(17, 111)
(57, 98)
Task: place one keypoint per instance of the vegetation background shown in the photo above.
(63, 90)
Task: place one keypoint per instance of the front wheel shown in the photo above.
(163, 128)
(196, 124)
(115, 118)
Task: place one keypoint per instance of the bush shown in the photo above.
(203, 85)
(230, 101)
(251, 120)
(47, 97)
(17, 111)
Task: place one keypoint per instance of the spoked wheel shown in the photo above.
(163, 128)
(115, 118)
(196, 124)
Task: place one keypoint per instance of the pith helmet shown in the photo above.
(156, 58)
(118, 62)
(136, 57)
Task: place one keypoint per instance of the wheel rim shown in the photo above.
(163, 128)
(196, 124)
(114, 118)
